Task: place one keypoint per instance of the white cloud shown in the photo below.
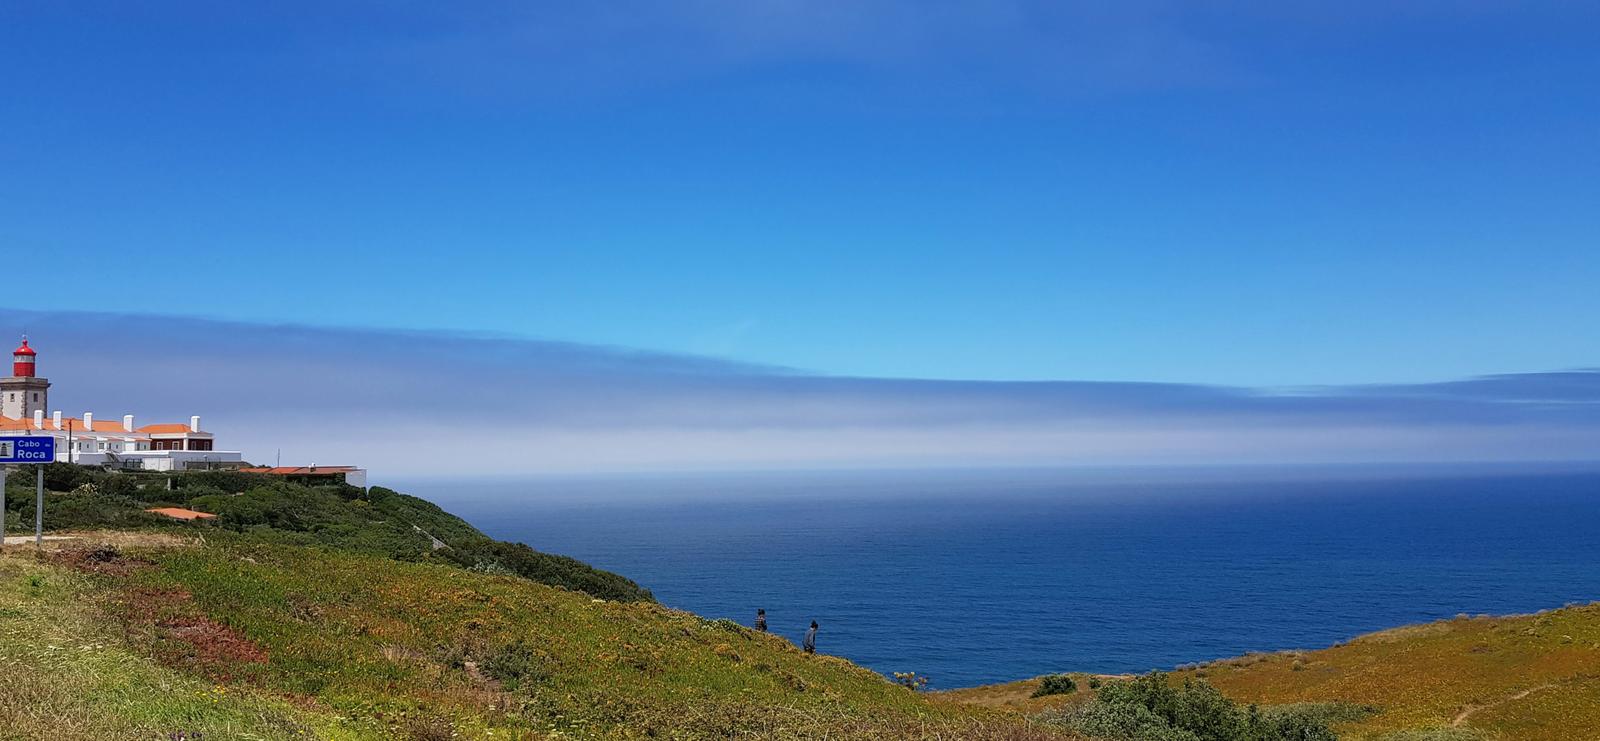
(430, 403)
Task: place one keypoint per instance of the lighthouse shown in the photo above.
(24, 391)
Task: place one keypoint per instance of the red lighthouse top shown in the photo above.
(22, 360)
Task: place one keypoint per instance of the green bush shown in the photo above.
(515, 665)
(57, 476)
(228, 482)
(544, 568)
(83, 509)
(911, 681)
(118, 485)
(1152, 707)
(1056, 684)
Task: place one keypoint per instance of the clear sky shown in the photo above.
(1248, 193)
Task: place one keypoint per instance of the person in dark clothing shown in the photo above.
(810, 643)
(761, 620)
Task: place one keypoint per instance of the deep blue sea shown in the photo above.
(972, 577)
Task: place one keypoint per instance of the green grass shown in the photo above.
(65, 675)
(1519, 677)
(346, 645)
(376, 520)
(1523, 677)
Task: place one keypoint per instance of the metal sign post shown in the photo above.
(37, 450)
(38, 508)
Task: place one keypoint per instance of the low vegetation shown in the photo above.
(240, 638)
(1154, 708)
(1523, 677)
(1516, 677)
(340, 613)
(1056, 684)
(67, 673)
(334, 612)
(376, 520)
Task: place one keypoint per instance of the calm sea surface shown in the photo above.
(975, 577)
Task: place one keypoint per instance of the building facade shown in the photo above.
(24, 410)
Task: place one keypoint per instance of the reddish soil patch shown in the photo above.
(99, 560)
(167, 623)
(214, 644)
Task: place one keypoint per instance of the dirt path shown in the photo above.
(1467, 712)
(118, 538)
(28, 539)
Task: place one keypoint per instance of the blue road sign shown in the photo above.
(32, 449)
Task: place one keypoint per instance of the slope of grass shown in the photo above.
(65, 675)
(1522, 677)
(1519, 677)
(385, 522)
(344, 645)
(376, 520)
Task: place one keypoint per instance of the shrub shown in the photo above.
(515, 665)
(57, 476)
(1151, 707)
(1056, 684)
(228, 482)
(911, 681)
(545, 568)
(429, 728)
(118, 485)
(188, 494)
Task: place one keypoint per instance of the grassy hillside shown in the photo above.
(67, 673)
(341, 613)
(376, 521)
(1520, 677)
(240, 638)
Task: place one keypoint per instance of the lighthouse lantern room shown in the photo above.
(23, 392)
(22, 360)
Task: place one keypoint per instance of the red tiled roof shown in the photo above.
(165, 428)
(100, 425)
(179, 513)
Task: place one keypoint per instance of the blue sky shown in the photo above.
(1243, 193)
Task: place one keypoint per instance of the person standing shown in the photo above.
(810, 642)
(761, 620)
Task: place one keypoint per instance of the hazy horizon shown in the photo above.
(404, 404)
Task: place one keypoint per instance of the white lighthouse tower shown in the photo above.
(23, 391)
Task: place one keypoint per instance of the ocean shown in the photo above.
(972, 577)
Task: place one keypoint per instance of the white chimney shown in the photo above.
(127, 423)
(88, 421)
(194, 423)
(55, 418)
(38, 419)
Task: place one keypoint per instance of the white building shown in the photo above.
(25, 397)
